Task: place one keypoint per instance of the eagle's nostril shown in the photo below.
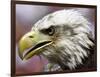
(31, 36)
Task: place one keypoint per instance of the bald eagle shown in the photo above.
(64, 38)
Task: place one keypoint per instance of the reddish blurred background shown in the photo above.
(26, 16)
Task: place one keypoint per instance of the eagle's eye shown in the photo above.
(49, 31)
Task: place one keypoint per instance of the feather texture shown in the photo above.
(73, 39)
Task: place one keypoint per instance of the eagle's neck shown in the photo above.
(88, 62)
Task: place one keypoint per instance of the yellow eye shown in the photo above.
(50, 31)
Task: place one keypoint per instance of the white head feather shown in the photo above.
(73, 42)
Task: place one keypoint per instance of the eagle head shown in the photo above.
(63, 37)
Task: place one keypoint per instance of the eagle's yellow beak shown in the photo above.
(32, 43)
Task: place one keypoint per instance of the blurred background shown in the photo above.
(26, 17)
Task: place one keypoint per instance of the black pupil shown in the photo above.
(50, 30)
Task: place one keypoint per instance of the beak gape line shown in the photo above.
(31, 45)
(36, 49)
